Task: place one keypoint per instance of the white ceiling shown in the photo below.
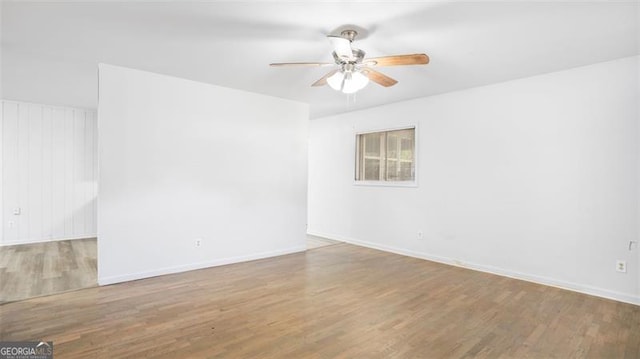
(50, 50)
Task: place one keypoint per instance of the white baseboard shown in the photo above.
(40, 240)
(576, 287)
(199, 265)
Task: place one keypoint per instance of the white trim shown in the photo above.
(575, 287)
(13, 243)
(386, 183)
(386, 129)
(19, 102)
(199, 265)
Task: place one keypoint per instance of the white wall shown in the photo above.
(49, 171)
(1, 82)
(637, 244)
(182, 160)
(1, 135)
(535, 178)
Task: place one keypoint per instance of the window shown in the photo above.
(386, 156)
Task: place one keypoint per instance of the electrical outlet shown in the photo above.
(198, 242)
(621, 266)
(420, 235)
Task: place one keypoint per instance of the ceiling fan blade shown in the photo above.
(323, 79)
(342, 47)
(379, 78)
(301, 64)
(398, 60)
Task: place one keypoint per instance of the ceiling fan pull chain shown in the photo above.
(351, 99)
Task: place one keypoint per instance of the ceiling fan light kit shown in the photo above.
(348, 80)
(354, 71)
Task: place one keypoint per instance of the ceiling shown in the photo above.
(50, 50)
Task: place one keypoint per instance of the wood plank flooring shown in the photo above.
(338, 301)
(37, 269)
(317, 242)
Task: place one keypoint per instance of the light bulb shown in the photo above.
(335, 80)
(354, 81)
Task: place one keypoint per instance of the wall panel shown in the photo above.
(534, 178)
(78, 172)
(9, 177)
(47, 170)
(22, 169)
(49, 166)
(58, 176)
(194, 175)
(31, 210)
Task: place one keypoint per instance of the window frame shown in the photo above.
(383, 183)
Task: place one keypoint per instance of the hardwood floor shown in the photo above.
(33, 270)
(339, 301)
(317, 242)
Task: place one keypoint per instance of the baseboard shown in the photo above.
(32, 241)
(199, 265)
(575, 287)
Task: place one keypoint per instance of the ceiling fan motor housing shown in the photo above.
(358, 55)
(349, 34)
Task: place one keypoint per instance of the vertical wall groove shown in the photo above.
(49, 165)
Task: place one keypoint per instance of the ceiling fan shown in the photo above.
(354, 71)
